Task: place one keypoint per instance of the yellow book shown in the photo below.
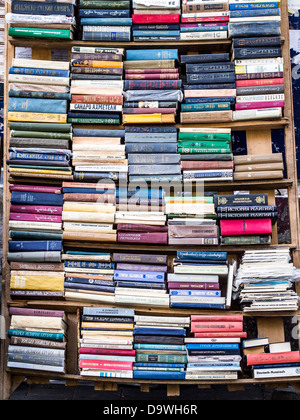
(96, 63)
(240, 69)
(28, 282)
(108, 325)
(148, 118)
(88, 207)
(37, 117)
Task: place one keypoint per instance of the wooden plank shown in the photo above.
(173, 390)
(235, 387)
(145, 388)
(272, 328)
(41, 53)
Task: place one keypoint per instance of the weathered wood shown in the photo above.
(173, 390)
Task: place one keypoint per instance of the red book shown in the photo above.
(193, 286)
(273, 358)
(259, 82)
(147, 19)
(98, 99)
(246, 227)
(205, 19)
(141, 228)
(221, 334)
(259, 105)
(216, 326)
(187, 164)
(224, 318)
(108, 352)
(143, 237)
(105, 365)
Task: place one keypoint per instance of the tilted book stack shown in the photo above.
(205, 154)
(257, 55)
(258, 167)
(42, 19)
(37, 111)
(156, 20)
(204, 20)
(38, 339)
(35, 245)
(159, 346)
(196, 280)
(214, 347)
(105, 20)
(89, 276)
(158, 86)
(97, 94)
(245, 219)
(89, 211)
(140, 279)
(209, 88)
(191, 220)
(106, 342)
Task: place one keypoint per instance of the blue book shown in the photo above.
(26, 246)
(104, 13)
(33, 198)
(36, 156)
(108, 311)
(140, 374)
(39, 72)
(205, 107)
(196, 305)
(36, 334)
(154, 95)
(202, 255)
(92, 281)
(137, 129)
(196, 78)
(84, 286)
(90, 115)
(159, 331)
(127, 21)
(210, 67)
(230, 99)
(139, 193)
(39, 95)
(152, 84)
(247, 29)
(140, 285)
(157, 159)
(143, 276)
(42, 8)
(167, 365)
(155, 33)
(28, 235)
(106, 36)
(243, 6)
(176, 347)
(213, 346)
(155, 54)
(151, 148)
(154, 169)
(211, 365)
(207, 86)
(89, 132)
(36, 359)
(53, 106)
(272, 366)
(204, 29)
(204, 58)
(87, 190)
(90, 264)
(254, 12)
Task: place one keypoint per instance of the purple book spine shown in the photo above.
(35, 217)
(35, 312)
(36, 188)
(14, 208)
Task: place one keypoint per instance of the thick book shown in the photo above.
(246, 227)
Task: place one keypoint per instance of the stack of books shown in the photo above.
(257, 56)
(209, 88)
(89, 276)
(95, 99)
(99, 154)
(197, 279)
(152, 154)
(158, 86)
(89, 211)
(214, 351)
(205, 154)
(140, 279)
(35, 245)
(38, 102)
(160, 348)
(156, 20)
(191, 220)
(258, 167)
(204, 20)
(265, 280)
(106, 342)
(245, 219)
(105, 20)
(42, 19)
(38, 339)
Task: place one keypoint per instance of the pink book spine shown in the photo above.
(36, 312)
(193, 286)
(149, 110)
(35, 188)
(205, 19)
(35, 217)
(105, 364)
(149, 76)
(15, 208)
(259, 105)
(200, 25)
(113, 352)
(136, 237)
(150, 71)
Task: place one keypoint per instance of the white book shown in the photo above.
(190, 278)
(96, 107)
(41, 64)
(129, 291)
(203, 1)
(210, 179)
(258, 61)
(98, 50)
(211, 376)
(205, 130)
(204, 35)
(12, 18)
(89, 270)
(198, 299)
(73, 216)
(107, 374)
(206, 14)
(247, 1)
(105, 357)
(118, 84)
(89, 297)
(98, 147)
(44, 226)
(212, 340)
(101, 168)
(220, 270)
(190, 208)
(39, 80)
(33, 366)
(156, 4)
(169, 319)
(256, 114)
(143, 300)
(36, 350)
(260, 98)
(263, 68)
(199, 369)
(255, 19)
(93, 28)
(276, 372)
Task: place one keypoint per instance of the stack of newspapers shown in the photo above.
(95, 99)
(156, 20)
(37, 110)
(209, 88)
(159, 346)
(38, 339)
(140, 279)
(205, 154)
(157, 83)
(257, 56)
(89, 211)
(265, 280)
(41, 19)
(204, 20)
(106, 342)
(89, 276)
(105, 20)
(35, 245)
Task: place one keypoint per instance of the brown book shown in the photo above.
(198, 164)
(141, 228)
(35, 342)
(258, 159)
(37, 266)
(64, 26)
(90, 236)
(149, 64)
(98, 185)
(254, 350)
(241, 176)
(187, 231)
(276, 166)
(205, 8)
(104, 198)
(210, 116)
(36, 294)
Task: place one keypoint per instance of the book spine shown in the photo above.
(41, 8)
(246, 226)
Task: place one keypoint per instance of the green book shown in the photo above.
(48, 168)
(204, 136)
(161, 358)
(41, 135)
(189, 150)
(94, 120)
(206, 144)
(36, 334)
(49, 127)
(246, 240)
(40, 33)
(93, 4)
